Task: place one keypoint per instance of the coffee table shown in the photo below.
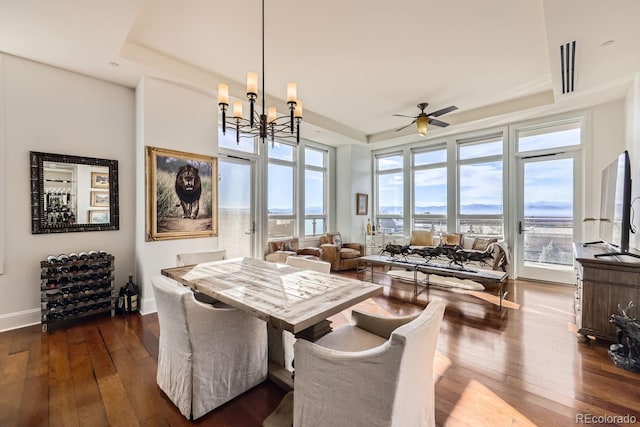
(441, 269)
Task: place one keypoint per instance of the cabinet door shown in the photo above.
(603, 300)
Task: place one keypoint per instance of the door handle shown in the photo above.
(520, 228)
(253, 228)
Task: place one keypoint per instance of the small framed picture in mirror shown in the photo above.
(100, 199)
(100, 179)
(98, 217)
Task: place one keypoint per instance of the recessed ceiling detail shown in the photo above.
(568, 66)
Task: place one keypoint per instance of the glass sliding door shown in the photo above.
(549, 199)
(236, 213)
(546, 226)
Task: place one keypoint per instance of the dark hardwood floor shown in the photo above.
(523, 366)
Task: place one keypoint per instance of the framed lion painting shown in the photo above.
(182, 195)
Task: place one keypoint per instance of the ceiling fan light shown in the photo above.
(422, 122)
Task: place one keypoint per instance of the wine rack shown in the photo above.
(76, 286)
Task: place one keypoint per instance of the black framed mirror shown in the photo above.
(73, 193)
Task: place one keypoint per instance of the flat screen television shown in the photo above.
(615, 206)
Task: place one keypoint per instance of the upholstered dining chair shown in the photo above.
(207, 354)
(193, 258)
(374, 372)
(309, 264)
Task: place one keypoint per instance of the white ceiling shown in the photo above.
(356, 62)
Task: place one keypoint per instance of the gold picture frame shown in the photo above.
(181, 195)
(99, 179)
(99, 217)
(99, 199)
(362, 204)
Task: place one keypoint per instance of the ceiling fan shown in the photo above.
(424, 119)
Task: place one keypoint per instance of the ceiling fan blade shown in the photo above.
(404, 127)
(443, 111)
(402, 115)
(437, 122)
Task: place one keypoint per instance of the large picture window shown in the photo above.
(315, 182)
(480, 186)
(430, 189)
(390, 192)
(281, 191)
(298, 180)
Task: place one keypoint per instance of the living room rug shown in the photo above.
(282, 416)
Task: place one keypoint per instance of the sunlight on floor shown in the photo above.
(492, 410)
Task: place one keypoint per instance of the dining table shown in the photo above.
(287, 298)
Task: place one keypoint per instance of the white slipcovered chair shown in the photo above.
(192, 258)
(375, 372)
(207, 355)
(309, 264)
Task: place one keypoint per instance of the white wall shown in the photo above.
(353, 175)
(177, 118)
(3, 160)
(633, 145)
(607, 141)
(51, 110)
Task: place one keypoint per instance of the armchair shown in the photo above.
(341, 256)
(375, 372)
(208, 354)
(278, 250)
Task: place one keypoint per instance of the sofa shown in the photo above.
(341, 255)
(278, 250)
(497, 253)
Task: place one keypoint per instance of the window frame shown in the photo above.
(478, 139)
(402, 170)
(325, 173)
(293, 164)
(433, 218)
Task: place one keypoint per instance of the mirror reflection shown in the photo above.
(71, 193)
(75, 193)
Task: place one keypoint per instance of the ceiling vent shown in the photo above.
(568, 66)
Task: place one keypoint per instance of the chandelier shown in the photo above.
(267, 124)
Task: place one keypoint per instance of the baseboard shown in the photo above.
(19, 319)
(148, 306)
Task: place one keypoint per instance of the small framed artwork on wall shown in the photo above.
(362, 204)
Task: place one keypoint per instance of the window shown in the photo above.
(297, 190)
(390, 192)
(430, 189)
(281, 190)
(480, 186)
(228, 140)
(545, 137)
(315, 181)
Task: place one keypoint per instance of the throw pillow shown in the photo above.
(421, 238)
(482, 244)
(337, 239)
(451, 239)
(287, 246)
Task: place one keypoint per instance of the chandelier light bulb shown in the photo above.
(223, 94)
(298, 111)
(271, 114)
(237, 109)
(252, 82)
(292, 92)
